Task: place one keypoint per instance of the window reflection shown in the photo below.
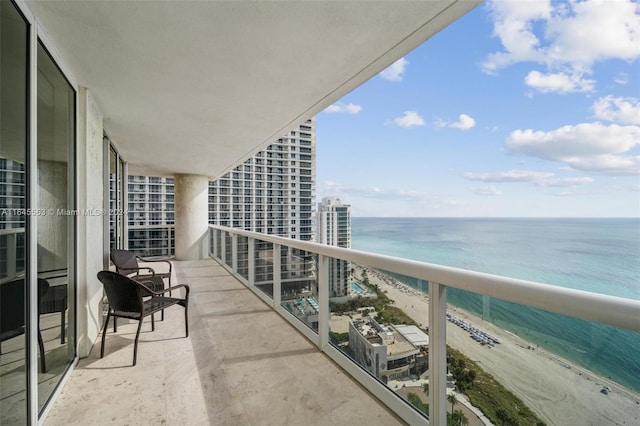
(13, 144)
(56, 224)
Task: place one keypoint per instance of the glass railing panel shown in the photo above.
(263, 255)
(212, 233)
(299, 284)
(228, 246)
(243, 256)
(370, 325)
(218, 242)
(520, 364)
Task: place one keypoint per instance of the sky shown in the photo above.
(517, 109)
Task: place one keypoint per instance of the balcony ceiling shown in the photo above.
(197, 87)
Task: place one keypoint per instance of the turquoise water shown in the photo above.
(597, 255)
(357, 288)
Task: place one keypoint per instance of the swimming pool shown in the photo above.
(356, 287)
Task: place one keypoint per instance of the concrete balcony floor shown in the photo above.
(242, 365)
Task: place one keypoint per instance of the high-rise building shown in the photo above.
(333, 227)
(151, 215)
(273, 191)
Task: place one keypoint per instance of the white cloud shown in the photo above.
(563, 182)
(524, 176)
(487, 190)
(619, 110)
(409, 119)
(566, 36)
(510, 176)
(340, 107)
(558, 82)
(395, 71)
(590, 147)
(464, 122)
(621, 78)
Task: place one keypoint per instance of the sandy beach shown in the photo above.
(558, 391)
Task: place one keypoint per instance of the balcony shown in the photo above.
(293, 278)
(242, 364)
(265, 346)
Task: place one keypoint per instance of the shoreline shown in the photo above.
(557, 390)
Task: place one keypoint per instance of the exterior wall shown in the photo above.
(271, 192)
(90, 235)
(373, 357)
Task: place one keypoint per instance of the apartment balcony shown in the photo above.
(242, 364)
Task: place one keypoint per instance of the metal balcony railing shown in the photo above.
(263, 261)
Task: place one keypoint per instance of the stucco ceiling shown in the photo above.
(197, 87)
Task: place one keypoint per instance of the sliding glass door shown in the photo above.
(37, 221)
(56, 220)
(14, 60)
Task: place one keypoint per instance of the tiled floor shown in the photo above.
(242, 365)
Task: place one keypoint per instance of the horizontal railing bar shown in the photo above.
(11, 231)
(612, 310)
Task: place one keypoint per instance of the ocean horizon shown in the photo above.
(591, 254)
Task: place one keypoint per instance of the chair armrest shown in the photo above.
(175, 287)
(143, 259)
(137, 270)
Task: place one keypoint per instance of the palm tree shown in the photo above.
(459, 418)
(451, 399)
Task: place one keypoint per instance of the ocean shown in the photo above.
(597, 255)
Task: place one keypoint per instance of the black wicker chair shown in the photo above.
(125, 298)
(12, 313)
(126, 263)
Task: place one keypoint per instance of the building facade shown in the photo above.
(381, 350)
(273, 191)
(333, 227)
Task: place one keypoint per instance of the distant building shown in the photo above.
(333, 227)
(151, 215)
(272, 192)
(381, 350)
(12, 218)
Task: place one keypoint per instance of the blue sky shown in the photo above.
(518, 109)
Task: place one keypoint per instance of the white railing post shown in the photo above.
(437, 354)
(324, 315)
(251, 260)
(277, 277)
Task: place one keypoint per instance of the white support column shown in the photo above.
(437, 354)
(323, 300)
(191, 216)
(277, 276)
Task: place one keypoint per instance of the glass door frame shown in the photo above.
(38, 35)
